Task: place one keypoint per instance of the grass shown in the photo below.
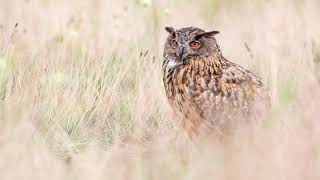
(81, 94)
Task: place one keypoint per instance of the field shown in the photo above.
(81, 93)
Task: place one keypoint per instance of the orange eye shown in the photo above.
(194, 43)
(174, 43)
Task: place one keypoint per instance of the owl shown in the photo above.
(208, 92)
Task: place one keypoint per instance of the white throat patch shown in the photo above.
(172, 64)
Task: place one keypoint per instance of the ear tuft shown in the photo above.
(170, 30)
(207, 34)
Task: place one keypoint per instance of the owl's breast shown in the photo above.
(190, 86)
(189, 80)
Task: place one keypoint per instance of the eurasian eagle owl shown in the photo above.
(207, 91)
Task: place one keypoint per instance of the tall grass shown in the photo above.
(81, 94)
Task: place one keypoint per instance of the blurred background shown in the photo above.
(81, 94)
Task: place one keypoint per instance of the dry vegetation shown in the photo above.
(81, 94)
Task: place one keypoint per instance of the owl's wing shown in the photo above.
(243, 88)
(237, 82)
(235, 74)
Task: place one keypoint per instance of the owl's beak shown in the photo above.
(180, 51)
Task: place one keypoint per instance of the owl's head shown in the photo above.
(189, 42)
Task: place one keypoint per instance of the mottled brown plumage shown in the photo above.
(208, 92)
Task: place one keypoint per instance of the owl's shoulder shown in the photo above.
(236, 74)
(234, 80)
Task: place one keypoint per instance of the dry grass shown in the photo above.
(81, 94)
